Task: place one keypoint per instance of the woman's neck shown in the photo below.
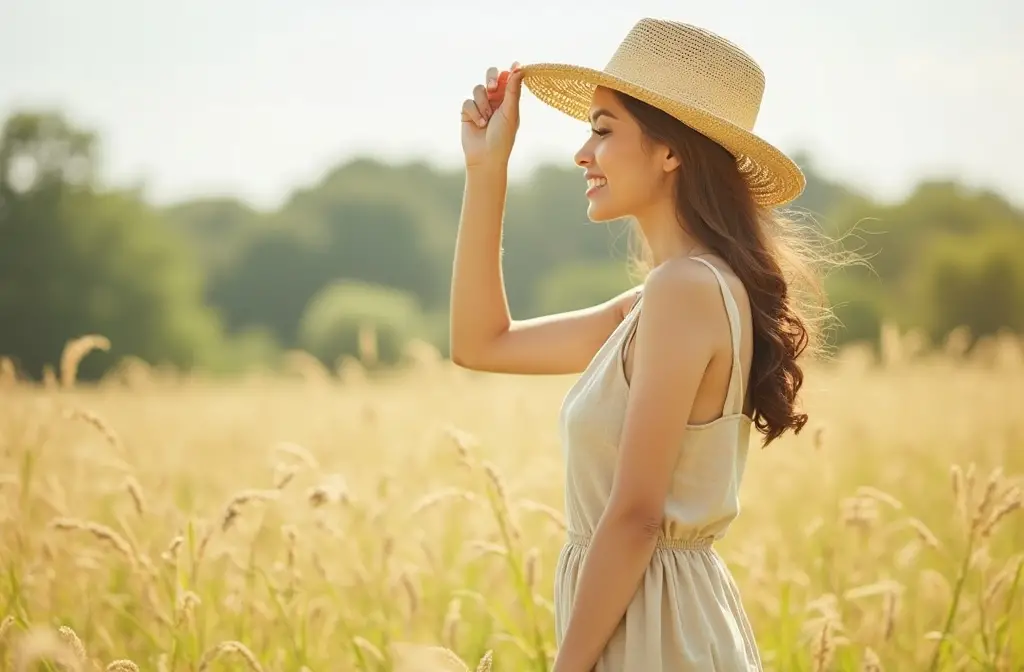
(666, 237)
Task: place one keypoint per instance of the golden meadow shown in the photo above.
(337, 520)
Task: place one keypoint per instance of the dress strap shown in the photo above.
(734, 397)
(632, 318)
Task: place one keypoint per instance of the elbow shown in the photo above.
(463, 357)
(474, 353)
(641, 522)
(460, 360)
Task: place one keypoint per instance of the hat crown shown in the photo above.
(692, 66)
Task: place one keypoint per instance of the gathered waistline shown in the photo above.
(581, 539)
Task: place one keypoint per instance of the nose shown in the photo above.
(584, 156)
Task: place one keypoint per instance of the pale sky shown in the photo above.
(257, 97)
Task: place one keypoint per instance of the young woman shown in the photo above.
(676, 372)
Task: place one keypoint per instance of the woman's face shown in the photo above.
(623, 177)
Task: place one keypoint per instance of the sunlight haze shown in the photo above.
(257, 98)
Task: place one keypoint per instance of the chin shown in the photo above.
(599, 213)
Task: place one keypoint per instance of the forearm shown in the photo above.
(614, 566)
(479, 306)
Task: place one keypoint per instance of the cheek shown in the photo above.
(624, 165)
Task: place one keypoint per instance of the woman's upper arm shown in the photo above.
(554, 344)
(674, 344)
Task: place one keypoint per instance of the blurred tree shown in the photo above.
(215, 228)
(345, 309)
(974, 283)
(76, 260)
(270, 281)
(857, 300)
(581, 284)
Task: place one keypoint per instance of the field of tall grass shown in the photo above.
(334, 521)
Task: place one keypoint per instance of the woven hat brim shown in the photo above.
(774, 179)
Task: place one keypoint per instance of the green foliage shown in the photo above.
(76, 260)
(162, 284)
(580, 284)
(330, 327)
(979, 284)
(858, 305)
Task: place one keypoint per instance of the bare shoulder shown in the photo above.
(684, 286)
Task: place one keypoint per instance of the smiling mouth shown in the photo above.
(595, 183)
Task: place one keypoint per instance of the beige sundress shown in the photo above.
(686, 614)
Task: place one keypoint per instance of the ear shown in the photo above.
(669, 159)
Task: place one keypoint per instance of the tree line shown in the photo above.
(217, 285)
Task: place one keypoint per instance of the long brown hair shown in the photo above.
(717, 206)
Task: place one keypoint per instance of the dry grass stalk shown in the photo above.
(70, 638)
(959, 491)
(74, 352)
(50, 381)
(554, 516)
(283, 475)
(368, 350)
(185, 606)
(532, 568)
(332, 489)
(122, 665)
(485, 662)
(879, 496)
(97, 422)
(824, 647)
(465, 444)
(101, 532)
(240, 499)
(8, 373)
(438, 496)
(859, 512)
(872, 589)
(871, 661)
(988, 495)
(299, 452)
(1011, 501)
(308, 367)
(890, 606)
(6, 626)
(39, 644)
(412, 593)
(479, 549)
(924, 533)
(366, 646)
(419, 658)
(135, 491)
(230, 647)
(171, 554)
(450, 628)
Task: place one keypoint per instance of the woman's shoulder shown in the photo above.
(683, 278)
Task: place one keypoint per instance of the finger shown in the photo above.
(492, 78)
(498, 94)
(514, 86)
(482, 102)
(471, 114)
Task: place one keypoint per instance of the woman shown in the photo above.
(674, 372)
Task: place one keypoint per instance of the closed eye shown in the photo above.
(599, 131)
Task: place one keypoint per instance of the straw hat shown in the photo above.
(698, 77)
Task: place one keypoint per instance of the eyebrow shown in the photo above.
(599, 112)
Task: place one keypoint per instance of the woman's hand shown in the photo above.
(490, 118)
